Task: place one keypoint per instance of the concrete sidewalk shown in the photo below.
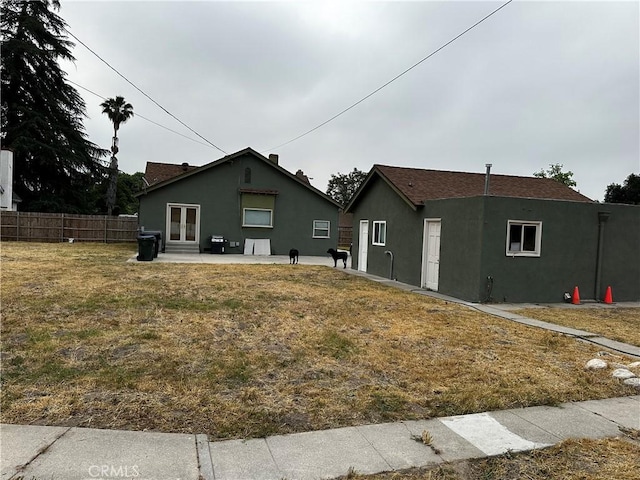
(62, 453)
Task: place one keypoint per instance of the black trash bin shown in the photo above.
(217, 244)
(158, 235)
(146, 247)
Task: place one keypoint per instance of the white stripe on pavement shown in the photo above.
(488, 435)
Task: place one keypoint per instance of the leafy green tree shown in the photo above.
(555, 172)
(118, 111)
(128, 186)
(628, 193)
(55, 164)
(126, 203)
(342, 186)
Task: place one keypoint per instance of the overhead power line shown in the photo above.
(142, 92)
(393, 79)
(141, 116)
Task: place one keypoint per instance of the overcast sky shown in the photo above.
(538, 83)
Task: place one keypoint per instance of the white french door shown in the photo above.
(183, 223)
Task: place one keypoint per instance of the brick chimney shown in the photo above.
(300, 174)
(274, 158)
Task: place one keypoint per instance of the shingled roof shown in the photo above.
(417, 185)
(159, 172)
(160, 175)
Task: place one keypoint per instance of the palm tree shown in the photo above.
(118, 111)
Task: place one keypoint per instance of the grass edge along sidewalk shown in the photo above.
(76, 453)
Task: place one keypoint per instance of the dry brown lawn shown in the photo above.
(621, 324)
(584, 459)
(239, 351)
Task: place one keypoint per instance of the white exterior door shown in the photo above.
(183, 223)
(363, 245)
(431, 255)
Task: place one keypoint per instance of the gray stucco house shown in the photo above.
(526, 240)
(250, 200)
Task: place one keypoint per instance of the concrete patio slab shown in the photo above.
(229, 259)
(325, 454)
(90, 453)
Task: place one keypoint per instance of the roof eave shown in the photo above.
(228, 158)
(367, 180)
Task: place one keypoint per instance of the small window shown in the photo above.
(379, 233)
(247, 175)
(254, 217)
(524, 238)
(321, 228)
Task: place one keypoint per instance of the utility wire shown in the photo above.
(138, 115)
(393, 79)
(142, 92)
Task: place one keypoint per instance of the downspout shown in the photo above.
(390, 253)
(602, 220)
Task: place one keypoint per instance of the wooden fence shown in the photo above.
(62, 227)
(345, 236)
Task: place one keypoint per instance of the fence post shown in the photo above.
(62, 227)
(105, 229)
(17, 226)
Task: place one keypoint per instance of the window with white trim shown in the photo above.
(321, 228)
(257, 217)
(524, 238)
(379, 233)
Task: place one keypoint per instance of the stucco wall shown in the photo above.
(473, 243)
(460, 245)
(217, 191)
(460, 239)
(569, 251)
(381, 203)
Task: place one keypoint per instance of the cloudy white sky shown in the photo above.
(537, 83)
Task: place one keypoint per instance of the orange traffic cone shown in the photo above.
(608, 298)
(576, 296)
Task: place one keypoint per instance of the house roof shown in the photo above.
(156, 172)
(416, 185)
(181, 175)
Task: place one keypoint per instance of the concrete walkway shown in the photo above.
(61, 453)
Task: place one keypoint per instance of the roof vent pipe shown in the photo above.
(486, 179)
